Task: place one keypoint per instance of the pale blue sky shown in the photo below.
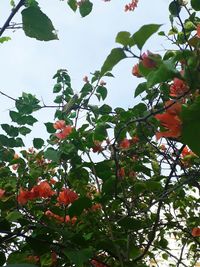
(28, 65)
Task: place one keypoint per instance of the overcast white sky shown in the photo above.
(28, 65)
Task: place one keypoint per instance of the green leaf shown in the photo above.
(39, 243)
(130, 223)
(10, 130)
(46, 260)
(103, 169)
(4, 39)
(52, 154)
(13, 216)
(100, 132)
(22, 119)
(123, 38)
(2, 258)
(165, 72)
(143, 34)
(49, 127)
(116, 55)
(24, 130)
(102, 91)
(38, 143)
(27, 103)
(79, 257)
(174, 8)
(87, 88)
(190, 117)
(37, 25)
(195, 5)
(105, 109)
(57, 88)
(142, 87)
(79, 205)
(85, 8)
(72, 4)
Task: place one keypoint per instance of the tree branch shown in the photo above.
(12, 14)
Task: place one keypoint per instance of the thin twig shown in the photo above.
(12, 14)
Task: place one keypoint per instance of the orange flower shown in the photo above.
(121, 172)
(198, 30)
(67, 218)
(135, 139)
(178, 88)
(196, 231)
(42, 190)
(187, 152)
(70, 220)
(59, 124)
(124, 144)
(67, 196)
(135, 71)
(173, 108)
(170, 120)
(23, 196)
(2, 192)
(65, 131)
(96, 207)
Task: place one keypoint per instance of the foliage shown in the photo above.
(113, 188)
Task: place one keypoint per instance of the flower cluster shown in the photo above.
(131, 6)
(147, 60)
(178, 88)
(61, 219)
(42, 190)
(66, 197)
(65, 130)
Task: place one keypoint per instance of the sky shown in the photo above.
(28, 65)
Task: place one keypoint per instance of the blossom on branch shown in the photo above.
(170, 120)
(67, 196)
(65, 130)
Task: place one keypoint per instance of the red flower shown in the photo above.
(97, 147)
(196, 231)
(131, 6)
(96, 263)
(187, 152)
(173, 108)
(67, 196)
(147, 61)
(2, 192)
(198, 30)
(125, 143)
(178, 88)
(23, 196)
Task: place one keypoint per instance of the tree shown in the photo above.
(113, 188)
